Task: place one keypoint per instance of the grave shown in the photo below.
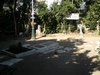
(22, 54)
(43, 48)
(50, 46)
(46, 47)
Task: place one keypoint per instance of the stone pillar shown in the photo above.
(98, 27)
(80, 28)
(38, 31)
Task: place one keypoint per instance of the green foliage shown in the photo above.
(92, 25)
(58, 29)
(43, 15)
(73, 28)
(92, 15)
(13, 16)
(51, 21)
(42, 9)
(61, 11)
(99, 33)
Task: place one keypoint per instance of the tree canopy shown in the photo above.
(15, 15)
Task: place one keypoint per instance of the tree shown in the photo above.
(42, 10)
(12, 6)
(16, 15)
(92, 15)
(61, 11)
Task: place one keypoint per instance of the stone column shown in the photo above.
(80, 28)
(98, 27)
(38, 31)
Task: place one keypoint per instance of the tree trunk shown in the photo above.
(14, 16)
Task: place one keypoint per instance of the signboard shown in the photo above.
(73, 16)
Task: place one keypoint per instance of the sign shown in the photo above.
(73, 16)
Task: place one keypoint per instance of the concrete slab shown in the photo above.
(11, 61)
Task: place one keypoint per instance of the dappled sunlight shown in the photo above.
(50, 37)
(81, 62)
(71, 57)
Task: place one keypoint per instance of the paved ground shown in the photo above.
(82, 60)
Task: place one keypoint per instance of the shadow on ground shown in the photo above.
(67, 63)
